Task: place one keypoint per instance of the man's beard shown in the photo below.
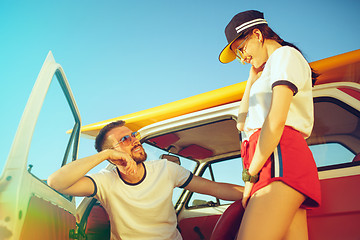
(140, 156)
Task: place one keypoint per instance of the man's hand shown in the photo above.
(123, 161)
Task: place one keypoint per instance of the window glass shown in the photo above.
(335, 137)
(331, 154)
(50, 140)
(228, 171)
(198, 199)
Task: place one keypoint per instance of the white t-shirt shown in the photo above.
(286, 66)
(143, 210)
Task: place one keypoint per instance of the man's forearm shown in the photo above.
(223, 191)
(228, 191)
(72, 172)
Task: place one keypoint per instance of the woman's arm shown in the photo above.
(272, 128)
(244, 105)
(271, 132)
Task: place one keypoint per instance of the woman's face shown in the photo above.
(250, 49)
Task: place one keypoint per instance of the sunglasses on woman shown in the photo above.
(239, 51)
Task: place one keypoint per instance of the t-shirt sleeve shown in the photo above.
(288, 67)
(95, 186)
(98, 180)
(180, 175)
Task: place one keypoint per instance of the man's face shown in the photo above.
(133, 147)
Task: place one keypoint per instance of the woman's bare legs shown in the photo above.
(270, 213)
(298, 229)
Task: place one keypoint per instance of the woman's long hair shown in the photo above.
(268, 33)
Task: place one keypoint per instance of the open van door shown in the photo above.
(29, 208)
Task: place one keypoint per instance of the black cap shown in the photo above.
(238, 24)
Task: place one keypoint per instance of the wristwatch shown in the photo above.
(248, 178)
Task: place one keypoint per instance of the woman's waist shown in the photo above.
(254, 133)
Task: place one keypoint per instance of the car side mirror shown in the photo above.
(171, 158)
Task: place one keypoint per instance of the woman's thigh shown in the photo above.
(298, 229)
(270, 212)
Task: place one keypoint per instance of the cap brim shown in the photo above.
(227, 55)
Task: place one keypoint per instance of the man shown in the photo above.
(137, 195)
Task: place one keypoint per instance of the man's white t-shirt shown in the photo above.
(143, 210)
(286, 66)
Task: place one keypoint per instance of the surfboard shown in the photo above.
(339, 68)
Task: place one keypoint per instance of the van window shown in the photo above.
(335, 138)
(228, 171)
(54, 120)
(213, 140)
(331, 154)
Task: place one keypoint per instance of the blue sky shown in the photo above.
(125, 56)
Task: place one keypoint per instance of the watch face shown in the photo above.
(245, 176)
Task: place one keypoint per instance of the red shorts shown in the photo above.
(292, 163)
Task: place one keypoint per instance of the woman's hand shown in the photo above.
(123, 161)
(254, 74)
(246, 194)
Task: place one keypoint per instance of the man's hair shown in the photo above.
(101, 137)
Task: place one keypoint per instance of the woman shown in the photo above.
(280, 174)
